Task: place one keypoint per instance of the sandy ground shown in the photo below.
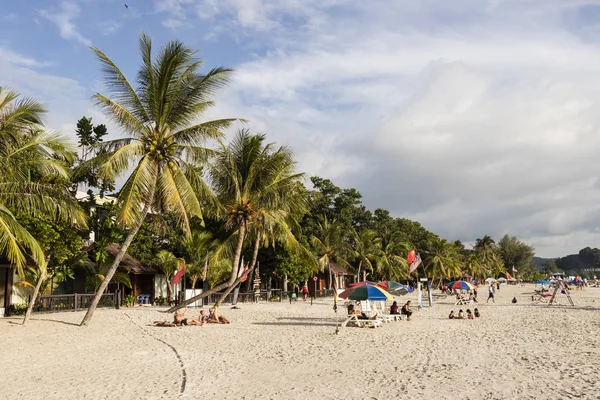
(283, 351)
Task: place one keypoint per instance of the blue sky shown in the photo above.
(472, 116)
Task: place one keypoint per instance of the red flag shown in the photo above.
(415, 264)
(179, 274)
(244, 275)
(205, 268)
(412, 256)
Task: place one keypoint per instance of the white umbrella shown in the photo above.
(490, 280)
(502, 279)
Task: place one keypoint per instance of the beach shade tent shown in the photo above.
(461, 285)
(542, 282)
(490, 280)
(366, 292)
(501, 279)
(361, 284)
(395, 287)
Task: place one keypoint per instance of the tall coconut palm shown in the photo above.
(488, 255)
(391, 263)
(252, 180)
(166, 142)
(443, 259)
(367, 246)
(33, 180)
(330, 246)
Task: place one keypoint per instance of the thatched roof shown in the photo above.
(135, 265)
(340, 270)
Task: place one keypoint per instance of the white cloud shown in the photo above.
(63, 19)
(174, 23)
(473, 117)
(109, 27)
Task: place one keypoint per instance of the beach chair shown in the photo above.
(353, 320)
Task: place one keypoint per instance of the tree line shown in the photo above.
(191, 193)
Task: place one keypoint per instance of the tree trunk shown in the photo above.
(253, 262)
(113, 268)
(36, 292)
(235, 268)
(285, 283)
(358, 273)
(207, 293)
(169, 289)
(330, 275)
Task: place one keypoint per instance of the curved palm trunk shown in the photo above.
(236, 263)
(251, 268)
(358, 272)
(169, 290)
(36, 292)
(113, 268)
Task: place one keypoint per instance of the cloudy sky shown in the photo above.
(473, 117)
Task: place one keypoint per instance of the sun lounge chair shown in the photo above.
(354, 320)
(462, 301)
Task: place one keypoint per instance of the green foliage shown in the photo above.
(129, 300)
(19, 309)
(89, 137)
(161, 301)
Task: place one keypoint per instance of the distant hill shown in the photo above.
(539, 262)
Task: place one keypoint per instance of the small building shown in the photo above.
(344, 279)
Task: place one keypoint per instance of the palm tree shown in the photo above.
(256, 184)
(367, 246)
(167, 263)
(391, 263)
(487, 253)
(33, 180)
(331, 246)
(166, 143)
(443, 259)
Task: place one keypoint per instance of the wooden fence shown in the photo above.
(73, 302)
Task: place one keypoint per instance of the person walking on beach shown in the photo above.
(491, 294)
(305, 291)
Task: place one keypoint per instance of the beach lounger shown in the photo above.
(353, 320)
(461, 302)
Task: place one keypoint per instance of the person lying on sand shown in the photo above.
(203, 317)
(213, 318)
(179, 319)
(162, 323)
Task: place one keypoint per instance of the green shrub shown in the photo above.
(19, 309)
(161, 301)
(129, 300)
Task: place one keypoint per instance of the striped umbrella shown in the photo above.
(366, 292)
(395, 287)
(461, 285)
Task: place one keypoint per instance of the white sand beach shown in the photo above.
(283, 351)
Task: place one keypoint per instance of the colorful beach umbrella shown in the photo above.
(361, 284)
(395, 287)
(462, 285)
(366, 292)
(542, 282)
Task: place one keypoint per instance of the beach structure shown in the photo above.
(325, 279)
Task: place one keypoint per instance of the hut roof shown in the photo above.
(135, 265)
(340, 270)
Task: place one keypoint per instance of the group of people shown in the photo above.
(406, 310)
(179, 319)
(461, 314)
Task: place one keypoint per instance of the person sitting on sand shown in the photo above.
(461, 314)
(203, 317)
(394, 308)
(213, 318)
(469, 314)
(476, 313)
(451, 316)
(406, 310)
